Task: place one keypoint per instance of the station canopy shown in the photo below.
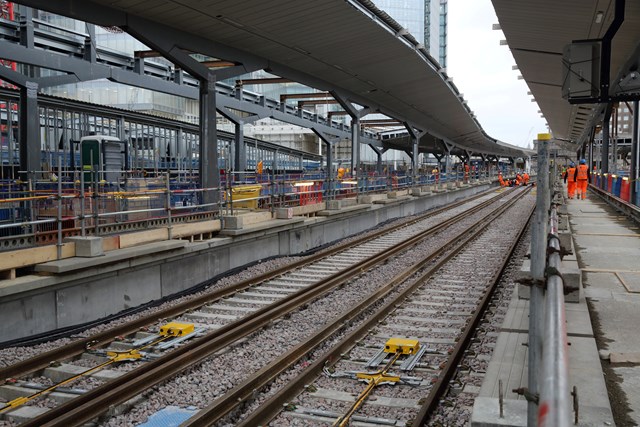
(350, 47)
(537, 33)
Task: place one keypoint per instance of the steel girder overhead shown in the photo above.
(537, 33)
(349, 47)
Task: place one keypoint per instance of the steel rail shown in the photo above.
(440, 387)
(93, 403)
(270, 408)
(104, 338)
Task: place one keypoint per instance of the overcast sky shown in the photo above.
(481, 69)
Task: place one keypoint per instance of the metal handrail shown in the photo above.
(554, 407)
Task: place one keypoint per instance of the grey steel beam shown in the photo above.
(82, 70)
(14, 77)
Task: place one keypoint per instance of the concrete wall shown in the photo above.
(37, 304)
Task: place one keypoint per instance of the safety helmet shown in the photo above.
(572, 164)
(583, 161)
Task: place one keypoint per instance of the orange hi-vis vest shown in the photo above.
(583, 171)
(571, 174)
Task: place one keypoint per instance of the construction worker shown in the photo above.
(501, 180)
(435, 173)
(518, 178)
(525, 178)
(570, 179)
(582, 178)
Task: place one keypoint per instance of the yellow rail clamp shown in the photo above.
(120, 356)
(176, 329)
(401, 345)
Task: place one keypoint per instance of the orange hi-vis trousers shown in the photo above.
(582, 188)
(571, 189)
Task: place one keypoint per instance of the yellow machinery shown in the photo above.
(396, 348)
(178, 331)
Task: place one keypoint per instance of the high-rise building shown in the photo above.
(426, 20)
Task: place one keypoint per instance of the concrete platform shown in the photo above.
(607, 248)
(77, 290)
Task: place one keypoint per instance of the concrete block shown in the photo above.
(439, 188)
(397, 194)
(566, 242)
(371, 198)
(10, 392)
(563, 223)
(572, 276)
(333, 205)
(87, 247)
(341, 204)
(486, 412)
(562, 210)
(284, 213)
(65, 371)
(524, 291)
(237, 222)
(420, 191)
(23, 414)
(451, 185)
(233, 222)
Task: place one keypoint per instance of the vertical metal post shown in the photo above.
(634, 171)
(208, 150)
(29, 131)
(240, 152)
(94, 172)
(605, 141)
(169, 227)
(59, 242)
(83, 231)
(329, 176)
(538, 261)
(355, 145)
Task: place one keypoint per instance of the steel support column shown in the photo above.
(355, 115)
(240, 154)
(355, 146)
(329, 143)
(605, 139)
(415, 142)
(379, 152)
(208, 150)
(29, 131)
(634, 172)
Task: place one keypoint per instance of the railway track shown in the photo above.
(224, 321)
(430, 310)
